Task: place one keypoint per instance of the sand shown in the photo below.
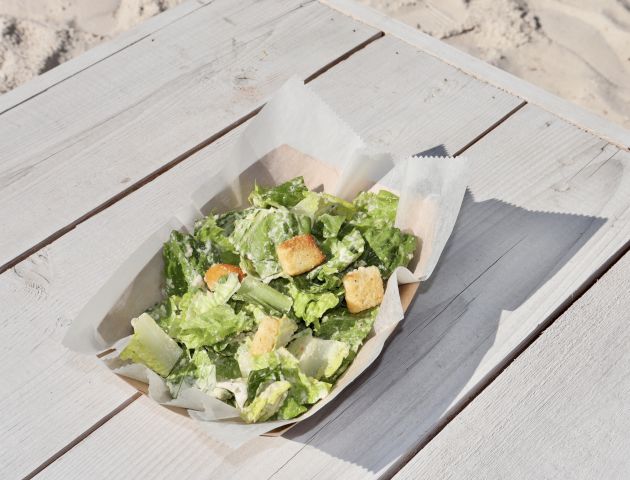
(577, 49)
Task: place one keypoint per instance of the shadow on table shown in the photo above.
(498, 256)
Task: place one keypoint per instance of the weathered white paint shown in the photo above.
(76, 145)
(388, 92)
(559, 411)
(507, 268)
(483, 71)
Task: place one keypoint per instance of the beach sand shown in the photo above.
(577, 49)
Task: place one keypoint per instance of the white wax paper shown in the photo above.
(296, 133)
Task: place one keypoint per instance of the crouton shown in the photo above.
(218, 270)
(363, 288)
(272, 333)
(299, 255)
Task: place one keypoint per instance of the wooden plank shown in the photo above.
(49, 288)
(550, 205)
(97, 54)
(77, 145)
(559, 411)
(486, 72)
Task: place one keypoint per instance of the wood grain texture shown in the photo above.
(52, 77)
(486, 72)
(76, 145)
(549, 206)
(559, 411)
(55, 287)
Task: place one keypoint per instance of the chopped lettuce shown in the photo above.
(203, 323)
(212, 244)
(285, 195)
(318, 358)
(346, 327)
(342, 253)
(248, 362)
(267, 403)
(304, 390)
(256, 236)
(311, 306)
(391, 248)
(197, 371)
(317, 204)
(329, 225)
(151, 347)
(265, 296)
(181, 266)
(375, 210)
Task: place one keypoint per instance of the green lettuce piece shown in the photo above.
(151, 347)
(212, 244)
(203, 323)
(248, 362)
(265, 296)
(391, 247)
(165, 312)
(331, 283)
(349, 328)
(226, 365)
(310, 307)
(375, 210)
(198, 371)
(181, 266)
(328, 226)
(342, 253)
(319, 358)
(256, 235)
(267, 403)
(316, 204)
(304, 389)
(285, 195)
(225, 287)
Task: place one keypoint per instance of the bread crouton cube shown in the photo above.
(218, 270)
(363, 288)
(265, 338)
(299, 255)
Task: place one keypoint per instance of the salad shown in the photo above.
(264, 308)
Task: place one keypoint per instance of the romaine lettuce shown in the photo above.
(151, 347)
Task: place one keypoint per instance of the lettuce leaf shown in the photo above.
(346, 327)
(197, 371)
(248, 362)
(311, 306)
(316, 204)
(151, 347)
(267, 403)
(256, 235)
(304, 390)
(342, 253)
(181, 266)
(212, 244)
(203, 322)
(285, 195)
(265, 296)
(375, 210)
(392, 248)
(318, 358)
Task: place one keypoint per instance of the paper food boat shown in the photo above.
(295, 134)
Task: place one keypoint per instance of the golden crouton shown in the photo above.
(364, 289)
(299, 255)
(218, 270)
(266, 335)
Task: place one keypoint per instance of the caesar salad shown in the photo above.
(264, 308)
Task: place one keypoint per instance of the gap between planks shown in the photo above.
(84, 435)
(181, 158)
(177, 160)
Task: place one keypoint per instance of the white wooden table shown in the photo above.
(99, 152)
